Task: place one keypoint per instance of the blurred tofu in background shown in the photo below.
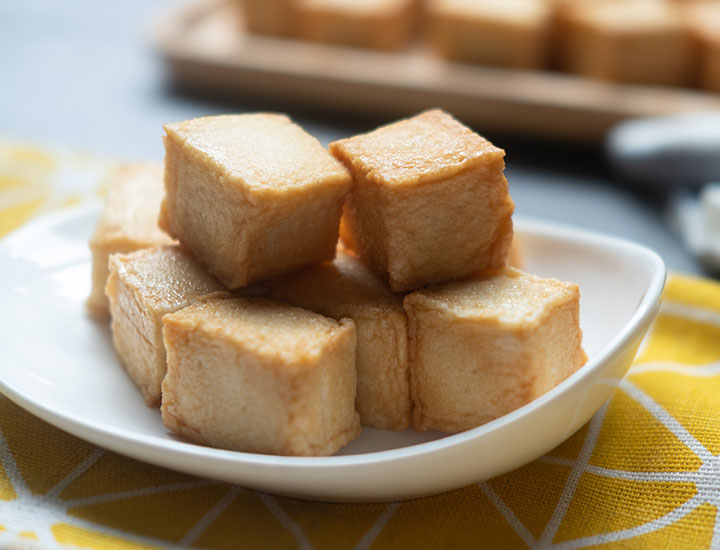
(376, 24)
(634, 41)
(128, 222)
(508, 33)
(703, 19)
(271, 17)
(663, 42)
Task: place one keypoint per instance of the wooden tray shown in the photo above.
(206, 48)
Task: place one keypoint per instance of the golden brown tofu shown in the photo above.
(516, 255)
(267, 16)
(128, 222)
(508, 33)
(481, 348)
(379, 24)
(252, 196)
(558, 13)
(429, 202)
(703, 17)
(142, 287)
(347, 288)
(260, 376)
(634, 41)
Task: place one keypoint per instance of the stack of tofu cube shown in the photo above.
(256, 330)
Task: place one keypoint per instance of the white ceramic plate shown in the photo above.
(59, 364)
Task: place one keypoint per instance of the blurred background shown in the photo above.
(606, 108)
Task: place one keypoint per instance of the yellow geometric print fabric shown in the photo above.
(644, 473)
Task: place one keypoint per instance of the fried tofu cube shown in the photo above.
(142, 287)
(429, 202)
(482, 347)
(703, 18)
(633, 41)
(347, 288)
(378, 24)
(128, 222)
(260, 376)
(507, 33)
(271, 17)
(515, 257)
(252, 196)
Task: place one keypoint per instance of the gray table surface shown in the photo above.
(83, 74)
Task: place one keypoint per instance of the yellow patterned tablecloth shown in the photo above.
(643, 473)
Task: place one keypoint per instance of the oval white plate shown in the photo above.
(59, 364)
